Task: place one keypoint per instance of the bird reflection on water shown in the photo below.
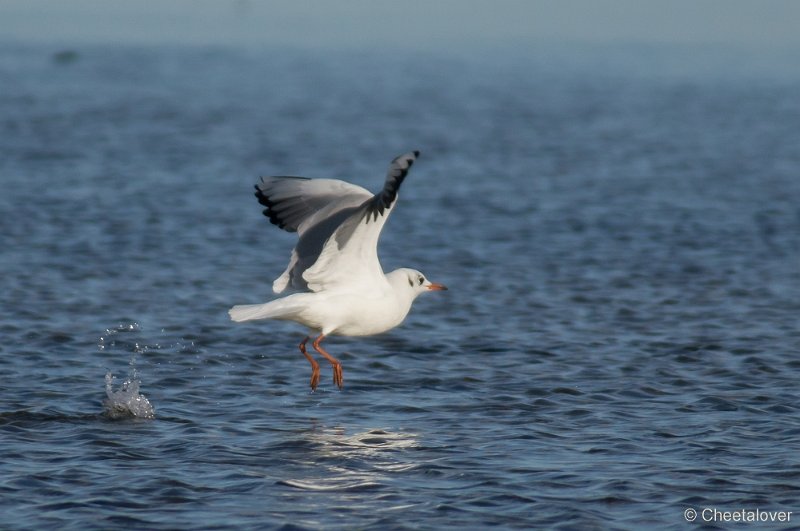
(340, 459)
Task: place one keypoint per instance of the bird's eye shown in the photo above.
(421, 280)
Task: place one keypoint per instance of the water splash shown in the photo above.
(126, 401)
(127, 336)
(112, 338)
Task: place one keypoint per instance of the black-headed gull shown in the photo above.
(335, 266)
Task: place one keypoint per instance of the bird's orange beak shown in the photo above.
(437, 287)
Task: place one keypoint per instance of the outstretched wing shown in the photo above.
(350, 254)
(296, 203)
(313, 208)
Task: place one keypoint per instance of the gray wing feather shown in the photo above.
(294, 203)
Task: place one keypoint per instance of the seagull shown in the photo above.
(334, 268)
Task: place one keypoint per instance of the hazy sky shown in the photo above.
(429, 24)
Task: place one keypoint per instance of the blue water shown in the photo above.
(620, 234)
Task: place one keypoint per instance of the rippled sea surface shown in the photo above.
(619, 343)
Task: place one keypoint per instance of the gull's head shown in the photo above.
(413, 282)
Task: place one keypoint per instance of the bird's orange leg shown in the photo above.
(313, 362)
(338, 378)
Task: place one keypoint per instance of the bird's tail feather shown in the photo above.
(251, 312)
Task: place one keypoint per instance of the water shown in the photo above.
(620, 235)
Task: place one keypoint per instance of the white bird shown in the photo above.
(335, 266)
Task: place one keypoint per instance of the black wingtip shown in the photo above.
(397, 174)
(263, 199)
(269, 212)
